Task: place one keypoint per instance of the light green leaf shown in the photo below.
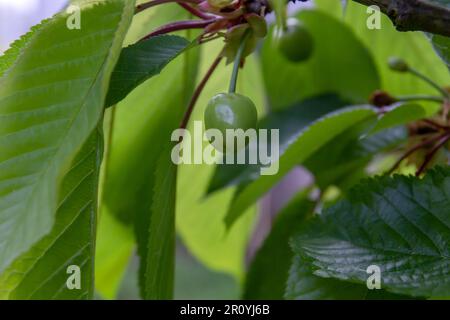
(51, 99)
(114, 248)
(386, 42)
(399, 224)
(41, 272)
(340, 64)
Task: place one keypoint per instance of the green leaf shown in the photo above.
(343, 160)
(400, 224)
(402, 114)
(290, 122)
(304, 285)
(303, 144)
(147, 117)
(114, 248)
(160, 255)
(441, 3)
(267, 275)
(40, 273)
(340, 64)
(386, 42)
(51, 99)
(141, 61)
(442, 46)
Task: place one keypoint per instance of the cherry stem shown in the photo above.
(419, 146)
(441, 142)
(195, 11)
(420, 98)
(198, 91)
(179, 25)
(433, 84)
(237, 62)
(153, 3)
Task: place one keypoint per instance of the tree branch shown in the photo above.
(415, 15)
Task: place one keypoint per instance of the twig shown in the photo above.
(195, 11)
(153, 3)
(414, 15)
(436, 125)
(440, 143)
(421, 145)
(180, 25)
(433, 84)
(420, 98)
(197, 93)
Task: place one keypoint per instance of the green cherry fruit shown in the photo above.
(230, 111)
(295, 42)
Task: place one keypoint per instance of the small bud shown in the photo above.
(398, 64)
(381, 99)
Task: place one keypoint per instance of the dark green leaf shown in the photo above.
(141, 61)
(290, 122)
(400, 224)
(160, 254)
(343, 160)
(442, 46)
(268, 272)
(304, 285)
(302, 144)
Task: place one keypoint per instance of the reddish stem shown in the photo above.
(421, 145)
(153, 3)
(435, 124)
(180, 25)
(195, 11)
(441, 142)
(198, 91)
